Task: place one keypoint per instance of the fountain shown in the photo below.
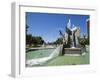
(71, 40)
(72, 30)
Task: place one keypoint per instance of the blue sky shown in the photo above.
(47, 25)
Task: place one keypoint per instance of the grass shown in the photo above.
(69, 60)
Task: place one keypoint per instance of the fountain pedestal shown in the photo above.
(74, 50)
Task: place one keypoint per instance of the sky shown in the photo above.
(47, 25)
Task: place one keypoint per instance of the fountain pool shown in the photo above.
(41, 56)
(39, 53)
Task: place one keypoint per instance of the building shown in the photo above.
(77, 34)
(88, 28)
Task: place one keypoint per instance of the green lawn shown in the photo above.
(69, 60)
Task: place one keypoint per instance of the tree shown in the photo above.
(59, 41)
(33, 40)
(29, 39)
(83, 41)
(37, 40)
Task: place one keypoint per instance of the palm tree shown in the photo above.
(27, 28)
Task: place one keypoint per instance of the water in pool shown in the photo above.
(40, 53)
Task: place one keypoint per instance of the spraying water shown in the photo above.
(41, 61)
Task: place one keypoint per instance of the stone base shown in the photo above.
(74, 50)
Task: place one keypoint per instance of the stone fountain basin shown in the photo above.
(74, 50)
